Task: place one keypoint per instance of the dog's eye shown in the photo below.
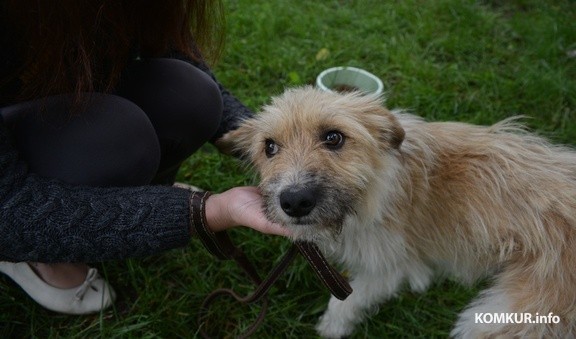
(334, 140)
(270, 148)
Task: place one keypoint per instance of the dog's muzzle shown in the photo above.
(298, 202)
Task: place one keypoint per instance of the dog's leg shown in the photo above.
(470, 322)
(369, 289)
(519, 308)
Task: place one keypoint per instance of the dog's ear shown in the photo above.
(395, 133)
(237, 142)
(390, 131)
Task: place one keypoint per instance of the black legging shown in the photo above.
(162, 111)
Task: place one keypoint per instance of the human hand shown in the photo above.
(240, 206)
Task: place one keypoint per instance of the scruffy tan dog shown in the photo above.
(396, 199)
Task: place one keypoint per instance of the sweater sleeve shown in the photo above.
(45, 220)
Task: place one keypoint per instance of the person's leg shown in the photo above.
(182, 106)
(108, 141)
(183, 103)
(111, 142)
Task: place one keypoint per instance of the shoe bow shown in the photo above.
(90, 277)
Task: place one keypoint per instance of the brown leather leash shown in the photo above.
(221, 246)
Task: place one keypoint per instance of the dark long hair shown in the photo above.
(78, 46)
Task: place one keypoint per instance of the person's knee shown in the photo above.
(110, 142)
(131, 147)
(183, 103)
(201, 118)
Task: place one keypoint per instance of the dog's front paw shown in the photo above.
(333, 327)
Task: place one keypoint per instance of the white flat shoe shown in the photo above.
(93, 295)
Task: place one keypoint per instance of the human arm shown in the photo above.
(240, 206)
(45, 220)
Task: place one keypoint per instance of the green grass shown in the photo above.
(474, 61)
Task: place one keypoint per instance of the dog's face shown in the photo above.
(316, 154)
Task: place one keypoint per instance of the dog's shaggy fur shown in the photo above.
(396, 199)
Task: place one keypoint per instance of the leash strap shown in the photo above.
(332, 279)
(220, 245)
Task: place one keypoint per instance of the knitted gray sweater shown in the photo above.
(44, 220)
(48, 221)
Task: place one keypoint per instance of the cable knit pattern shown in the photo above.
(49, 221)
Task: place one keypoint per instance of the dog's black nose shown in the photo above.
(298, 202)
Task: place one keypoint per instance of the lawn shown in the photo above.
(473, 61)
